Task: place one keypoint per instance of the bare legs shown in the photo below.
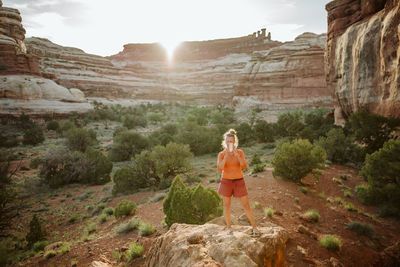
(246, 206)
(249, 213)
(227, 211)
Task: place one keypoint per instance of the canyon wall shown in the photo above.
(362, 61)
(286, 76)
(22, 87)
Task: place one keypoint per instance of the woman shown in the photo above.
(231, 161)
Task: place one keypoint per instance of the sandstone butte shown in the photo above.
(22, 88)
(363, 56)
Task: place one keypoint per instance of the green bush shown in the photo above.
(316, 123)
(133, 121)
(269, 211)
(264, 131)
(108, 211)
(258, 168)
(119, 130)
(223, 116)
(361, 228)
(8, 141)
(127, 144)
(294, 160)
(290, 124)
(381, 170)
(313, 215)
(34, 163)
(371, 129)
(135, 251)
(163, 163)
(74, 217)
(330, 242)
(40, 245)
(36, 233)
(103, 218)
(127, 180)
(145, 229)
(255, 159)
(191, 205)
(52, 125)
(60, 167)
(339, 148)
(245, 133)
(127, 227)
(79, 139)
(33, 136)
(125, 208)
(66, 126)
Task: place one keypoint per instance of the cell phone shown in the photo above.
(230, 147)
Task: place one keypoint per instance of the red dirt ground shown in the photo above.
(263, 188)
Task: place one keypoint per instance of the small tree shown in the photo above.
(381, 170)
(290, 124)
(191, 205)
(264, 131)
(127, 180)
(36, 233)
(33, 136)
(98, 167)
(125, 208)
(80, 138)
(294, 160)
(127, 144)
(53, 125)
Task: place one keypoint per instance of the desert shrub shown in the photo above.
(389, 210)
(33, 136)
(361, 228)
(8, 141)
(36, 233)
(190, 179)
(127, 180)
(201, 139)
(316, 124)
(162, 164)
(119, 130)
(269, 211)
(127, 227)
(381, 170)
(108, 211)
(160, 138)
(245, 133)
(195, 205)
(50, 254)
(134, 251)
(24, 122)
(34, 163)
(145, 229)
(155, 117)
(66, 126)
(258, 168)
(347, 193)
(79, 139)
(370, 129)
(339, 148)
(330, 242)
(133, 121)
(303, 190)
(103, 218)
(127, 144)
(313, 215)
(223, 116)
(125, 208)
(290, 124)
(40, 245)
(255, 159)
(294, 160)
(264, 131)
(52, 125)
(60, 167)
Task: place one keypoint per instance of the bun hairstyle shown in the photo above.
(230, 133)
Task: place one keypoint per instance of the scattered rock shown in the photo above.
(335, 262)
(302, 250)
(304, 230)
(99, 264)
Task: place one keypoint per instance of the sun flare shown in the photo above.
(170, 46)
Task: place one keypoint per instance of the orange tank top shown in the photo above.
(232, 169)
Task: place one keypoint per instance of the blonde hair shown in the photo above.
(230, 133)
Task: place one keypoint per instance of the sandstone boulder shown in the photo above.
(210, 245)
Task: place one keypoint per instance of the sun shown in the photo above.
(170, 46)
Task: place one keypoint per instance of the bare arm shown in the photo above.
(221, 161)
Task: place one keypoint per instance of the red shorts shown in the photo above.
(236, 187)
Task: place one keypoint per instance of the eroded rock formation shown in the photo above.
(22, 89)
(13, 56)
(210, 245)
(363, 56)
(287, 76)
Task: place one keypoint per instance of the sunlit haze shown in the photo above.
(103, 27)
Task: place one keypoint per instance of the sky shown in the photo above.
(102, 27)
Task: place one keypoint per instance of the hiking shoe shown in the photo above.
(255, 233)
(229, 232)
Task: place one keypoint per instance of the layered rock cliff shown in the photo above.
(287, 76)
(363, 56)
(22, 89)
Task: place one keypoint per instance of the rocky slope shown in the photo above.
(363, 56)
(22, 89)
(287, 76)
